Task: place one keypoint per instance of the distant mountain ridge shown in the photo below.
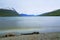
(7, 12)
(25, 15)
(53, 13)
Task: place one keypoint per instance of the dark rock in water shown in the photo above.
(35, 32)
(30, 33)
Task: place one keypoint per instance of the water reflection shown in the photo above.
(43, 23)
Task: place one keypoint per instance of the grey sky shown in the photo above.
(31, 6)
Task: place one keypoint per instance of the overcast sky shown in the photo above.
(31, 6)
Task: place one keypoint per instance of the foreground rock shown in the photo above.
(41, 36)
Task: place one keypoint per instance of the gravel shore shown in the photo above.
(41, 36)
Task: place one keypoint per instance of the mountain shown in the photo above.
(53, 13)
(25, 14)
(8, 12)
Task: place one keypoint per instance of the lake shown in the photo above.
(30, 24)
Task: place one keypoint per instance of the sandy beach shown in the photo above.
(41, 36)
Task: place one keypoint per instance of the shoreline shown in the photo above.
(40, 36)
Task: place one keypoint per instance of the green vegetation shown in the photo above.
(7, 12)
(53, 13)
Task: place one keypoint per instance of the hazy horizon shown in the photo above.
(34, 7)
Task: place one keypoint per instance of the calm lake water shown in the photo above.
(38, 23)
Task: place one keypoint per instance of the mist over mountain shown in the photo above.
(8, 12)
(53, 13)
